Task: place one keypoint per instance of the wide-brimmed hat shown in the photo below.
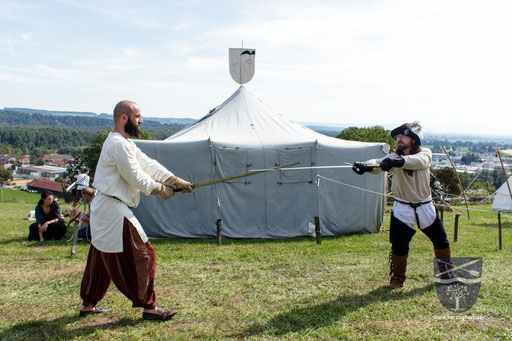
(412, 129)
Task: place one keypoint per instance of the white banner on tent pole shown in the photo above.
(241, 64)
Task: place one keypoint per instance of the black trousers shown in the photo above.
(53, 231)
(400, 235)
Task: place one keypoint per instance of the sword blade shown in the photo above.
(304, 168)
(238, 176)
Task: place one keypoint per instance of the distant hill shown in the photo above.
(51, 112)
(163, 120)
(36, 117)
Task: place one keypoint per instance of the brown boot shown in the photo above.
(444, 262)
(443, 253)
(397, 266)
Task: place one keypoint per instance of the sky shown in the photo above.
(444, 63)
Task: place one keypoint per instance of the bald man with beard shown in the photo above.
(120, 251)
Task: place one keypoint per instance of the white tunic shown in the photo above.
(123, 171)
(82, 181)
(411, 183)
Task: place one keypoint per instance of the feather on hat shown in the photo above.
(412, 129)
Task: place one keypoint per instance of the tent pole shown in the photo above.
(456, 227)
(317, 218)
(219, 232)
(505, 174)
(317, 231)
(499, 229)
(458, 178)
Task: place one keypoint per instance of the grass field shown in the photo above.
(287, 289)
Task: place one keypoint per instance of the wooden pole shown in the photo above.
(499, 229)
(505, 174)
(219, 231)
(317, 231)
(442, 213)
(458, 178)
(456, 228)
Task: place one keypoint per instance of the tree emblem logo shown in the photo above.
(458, 282)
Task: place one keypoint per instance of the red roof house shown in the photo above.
(42, 185)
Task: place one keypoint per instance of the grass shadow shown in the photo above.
(325, 314)
(13, 240)
(63, 328)
(243, 241)
(494, 225)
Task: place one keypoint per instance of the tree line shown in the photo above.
(85, 143)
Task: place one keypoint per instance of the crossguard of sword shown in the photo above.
(176, 189)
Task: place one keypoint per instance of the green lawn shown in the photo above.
(257, 289)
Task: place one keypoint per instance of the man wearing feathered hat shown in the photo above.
(410, 166)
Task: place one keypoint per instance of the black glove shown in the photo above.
(391, 162)
(361, 168)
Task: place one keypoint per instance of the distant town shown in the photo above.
(44, 150)
(51, 171)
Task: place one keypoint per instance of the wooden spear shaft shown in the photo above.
(505, 174)
(458, 178)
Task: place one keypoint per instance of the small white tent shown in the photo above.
(502, 201)
(244, 134)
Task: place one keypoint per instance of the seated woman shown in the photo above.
(49, 224)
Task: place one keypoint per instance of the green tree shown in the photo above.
(92, 152)
(448, 178)
(484, 185)
(470, 157)
(368, 134)
(36, 152)
(5, 174)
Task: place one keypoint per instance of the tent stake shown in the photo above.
(499, 229)
(219, 231)
(456, 229)
(317, 231)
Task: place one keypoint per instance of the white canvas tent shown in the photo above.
(502, 201)
(244, 134)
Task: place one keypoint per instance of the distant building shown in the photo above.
(58, 163)
(52, 158)
(41, 185)
(6, 163)
(48, 172)
(8, 157)
(438, 157)
(24, 161)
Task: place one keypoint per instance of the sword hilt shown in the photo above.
(190, 178)
(176, 189)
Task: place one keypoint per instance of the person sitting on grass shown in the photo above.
(49, 224)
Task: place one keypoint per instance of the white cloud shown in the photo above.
(366, 61)
(26, 36)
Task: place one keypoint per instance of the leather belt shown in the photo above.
(414, 206)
